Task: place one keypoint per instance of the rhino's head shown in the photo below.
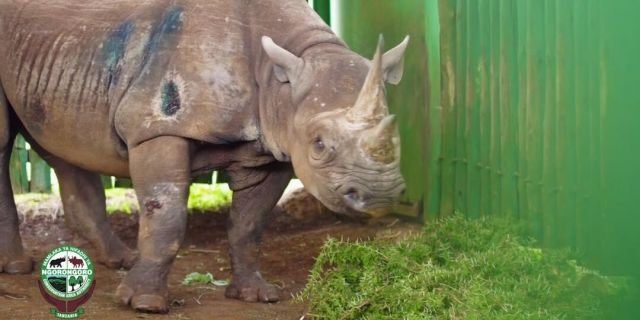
(343, 144)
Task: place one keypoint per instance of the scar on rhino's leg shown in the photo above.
(150, 206)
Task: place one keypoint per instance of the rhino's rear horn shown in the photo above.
(380, 144)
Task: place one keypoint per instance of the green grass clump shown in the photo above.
(202, 198)
(197, 277)
(455, 269)
(32, 199)
(203, 278)
(121, 200)
(209, 197)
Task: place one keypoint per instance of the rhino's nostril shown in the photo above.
(353, 198)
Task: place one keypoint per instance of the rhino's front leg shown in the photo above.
(160, 170)
(256, 191)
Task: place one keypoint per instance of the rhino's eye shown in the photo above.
(318, 145)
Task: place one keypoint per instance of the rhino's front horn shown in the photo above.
(380, 144)
(371, 104)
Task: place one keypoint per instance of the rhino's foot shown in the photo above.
(144, 291)
(118, 256)
(16, 265)
(252, 289)
(145, 302)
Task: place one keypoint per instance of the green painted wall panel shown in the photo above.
(40, 181)
(535, 116)
(18, 166)
(322, 7)
(540, 121)
(528, 125)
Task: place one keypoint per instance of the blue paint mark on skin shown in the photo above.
(171, 23)
(170, 99)
(113, 50)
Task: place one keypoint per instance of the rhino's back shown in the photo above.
(88, 78)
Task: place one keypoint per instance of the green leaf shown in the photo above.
(198, 278)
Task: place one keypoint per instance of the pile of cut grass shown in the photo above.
(455, 269)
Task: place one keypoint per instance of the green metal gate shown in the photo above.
(529, 110)
(534, 104)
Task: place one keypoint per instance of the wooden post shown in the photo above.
(40, 174)
(205, 178)
(123, 183)
(18, 167)
(106, 182)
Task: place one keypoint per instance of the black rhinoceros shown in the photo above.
(164, 90)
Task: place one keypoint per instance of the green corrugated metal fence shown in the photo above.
(535, 94)
(29, 173)
(532, 113)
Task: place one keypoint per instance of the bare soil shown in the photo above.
(289, 247)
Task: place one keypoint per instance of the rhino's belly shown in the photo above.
(85, 139)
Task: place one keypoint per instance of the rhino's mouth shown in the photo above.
(350, 203)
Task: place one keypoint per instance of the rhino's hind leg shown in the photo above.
(12, 257)
(250, 205)
(84, 205)
(160, 170)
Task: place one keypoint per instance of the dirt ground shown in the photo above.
(289, 248)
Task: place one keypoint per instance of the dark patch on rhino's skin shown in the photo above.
(113, 50)
(150, 207)
(37, 114)
(170, 98)
(161, 33)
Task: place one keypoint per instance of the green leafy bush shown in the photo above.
(208, 197)
(455, 269)
(202, 198)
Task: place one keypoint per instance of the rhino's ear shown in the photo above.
(286, 64)
(393, 62)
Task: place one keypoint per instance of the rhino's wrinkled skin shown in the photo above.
(161, 91)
